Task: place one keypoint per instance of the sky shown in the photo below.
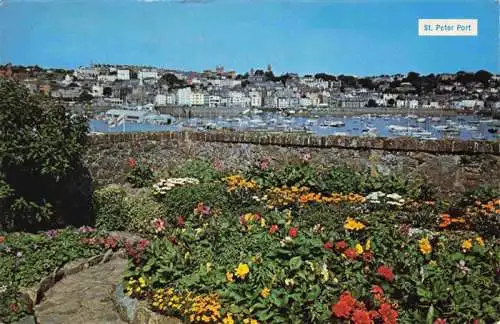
(356, 37)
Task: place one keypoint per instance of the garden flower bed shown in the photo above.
(284, 251)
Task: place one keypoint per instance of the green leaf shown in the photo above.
(295, 263)
(430, 315)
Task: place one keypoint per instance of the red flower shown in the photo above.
(439, 321)
(389, 315)
(264, 163)
(110, 242)
(132, 163)
(350, 254)
(367, 256)
(328, 245)
(274, 228)
(172, 239)
(385, 272)
(180, 221)
(13, 307)
(344, 306)
(142, 244)
(293, 232)
(341, 245)
(377, 292)
(361, 317)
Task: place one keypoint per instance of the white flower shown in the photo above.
(394, 196)
(394, 203)
(311, 265)
(324, 272)
(3, 289)
(289, 282)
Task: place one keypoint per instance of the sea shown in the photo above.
(469, 127)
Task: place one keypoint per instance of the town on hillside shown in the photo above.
(104, 86)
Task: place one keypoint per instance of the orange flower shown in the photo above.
(344, 306)
(361, 317)
(385, 272)
(2, 239)
(445, 220)
(389, 315)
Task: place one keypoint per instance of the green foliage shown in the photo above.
(291, 175)
(111, 209)
(140, 176)
(141, 209)
(199, 169)
(42, 178)
(481, 193)
(343, 180)
(181, 201)
(26, 258)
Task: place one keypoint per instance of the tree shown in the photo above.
(371, 103)
(43, 181)
(483, 76)
(107, 91)
(391, 102)
(85, 96)
(366, 83)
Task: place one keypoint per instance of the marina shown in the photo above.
(430, 128)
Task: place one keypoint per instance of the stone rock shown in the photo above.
(107, 256)
(73, 267)
(27, 320)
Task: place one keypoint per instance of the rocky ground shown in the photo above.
(83, 298)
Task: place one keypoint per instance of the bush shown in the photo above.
(42, 178)
(110, 208)
(343, 180)
(181, 201)
(199, 169)
(140, 176)
(141, 209)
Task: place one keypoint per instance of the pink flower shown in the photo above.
(264, 163)
(158, 224)
(306, 157)
(274, 228)
(132, 162)
(293, 232)
(180, 221)
(328, 245)
(142, 244)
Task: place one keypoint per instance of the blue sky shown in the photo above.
(361, 37)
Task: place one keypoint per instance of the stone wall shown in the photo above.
(451, 165)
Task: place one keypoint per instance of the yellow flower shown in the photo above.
(368, 245)
(262, 222)
(359, 249)
(467, 244)
(265, 292)
(353, 225)
(228, 319)
(480, 241)
(242, 270)
(433, 263)
(229, 276)
(425, 246)
(142, 282)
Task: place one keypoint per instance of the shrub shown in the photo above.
(200, 169)
(43, 181)
(141, 209)
(181, 201)
(140, 175)
(110, 208)
(343, 180)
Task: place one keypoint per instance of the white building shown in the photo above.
(147, 74)
(255, 99)
(305, 102)
(107, 78)
(171, 99)
(214, 101)
(237, 98)
(283, 103)
(160, 100)
(197, 99)
(97, 91)
(413, 104)
(123, 74)
(86, 73)
(184, 96)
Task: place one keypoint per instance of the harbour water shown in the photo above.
(468, 127)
